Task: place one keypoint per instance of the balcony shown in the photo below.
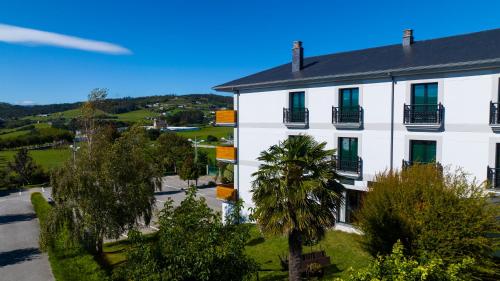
(349, 167)
(493, 180)
(347, 117)
(423, 116)
(226, 192)
(296, 118)
(225, 154)
(494, 116)
(225, 118)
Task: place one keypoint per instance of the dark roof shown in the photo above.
(473, 50)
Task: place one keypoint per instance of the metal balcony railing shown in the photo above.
(350, 165)
(291, 115)
(423, 114)
(352, 114)
(493, 179)
(494, 116)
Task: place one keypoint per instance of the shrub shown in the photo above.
(69, 261)
(396, 267)
(433, 213)
(211, 138)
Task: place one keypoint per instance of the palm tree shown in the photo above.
(295, 193)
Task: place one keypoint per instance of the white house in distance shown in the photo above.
(380, 108)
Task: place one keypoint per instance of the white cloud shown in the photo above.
(20, 35)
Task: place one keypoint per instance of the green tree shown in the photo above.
(433, 213)
(189, 170)
(23, 166)
(295, 193)
(192, 244)
(107, 188)
(172, 150)
(397, 266)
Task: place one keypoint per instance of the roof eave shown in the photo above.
(452, 67)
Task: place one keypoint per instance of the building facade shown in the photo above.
(433, 101)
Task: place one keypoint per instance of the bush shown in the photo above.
(396, 267)
(433, 213)
(192, 244)
(69, 261)
(211, 138)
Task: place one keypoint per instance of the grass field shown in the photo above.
(16, 132)
(205, 131)
(136, 115)
(48, 159)
(343, 249)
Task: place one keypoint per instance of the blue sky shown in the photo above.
(164, 47)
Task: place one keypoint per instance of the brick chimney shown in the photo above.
(407, 37)
(297, 56)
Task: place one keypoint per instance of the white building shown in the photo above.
(380, 108)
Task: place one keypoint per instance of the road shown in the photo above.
(20, 257)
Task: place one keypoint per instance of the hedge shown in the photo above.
(68, 263)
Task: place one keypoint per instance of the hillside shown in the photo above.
(120, 106)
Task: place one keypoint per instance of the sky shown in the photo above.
(58, 51)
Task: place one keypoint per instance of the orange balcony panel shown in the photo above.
(225, 154)
(226, 192)
(225, 118)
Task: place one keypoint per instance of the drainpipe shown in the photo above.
(392, 122)
(237, 93)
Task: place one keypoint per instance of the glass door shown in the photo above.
(349, 105)
(348, 154)
(297, 106)
(424, 101)
(422, 151)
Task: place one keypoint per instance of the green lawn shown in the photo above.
(48, 158)
(343, 248)
(136, 115)
(205, 131)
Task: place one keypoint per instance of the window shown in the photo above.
(422, 151)
(297, 107)
(349, 105)
(348, 154)
(426, 93)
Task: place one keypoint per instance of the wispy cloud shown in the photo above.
(25, 102)
(20, 35)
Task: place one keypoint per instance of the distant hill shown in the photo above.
(118, 106)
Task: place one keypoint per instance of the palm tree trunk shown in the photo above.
(294, 255)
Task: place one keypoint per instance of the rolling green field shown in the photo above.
(343, 249)
(13, 133)
(48, 159)
(205, 131)
(136, 115)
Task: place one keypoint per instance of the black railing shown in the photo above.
(494, 116)
(291, 115)
(351, 114)
(423, 113)
(348, 164)
(493, 179)
(409, 163)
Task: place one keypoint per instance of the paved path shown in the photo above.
(20, 258)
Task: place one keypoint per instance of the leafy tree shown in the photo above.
(192, 244)
(397, 266)
(172, 149)
(294, 193)
(189, 170)
(23, 166)
(108, 188)
(211, 138)
(433, 213)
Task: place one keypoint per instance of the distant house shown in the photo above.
(159, 123)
